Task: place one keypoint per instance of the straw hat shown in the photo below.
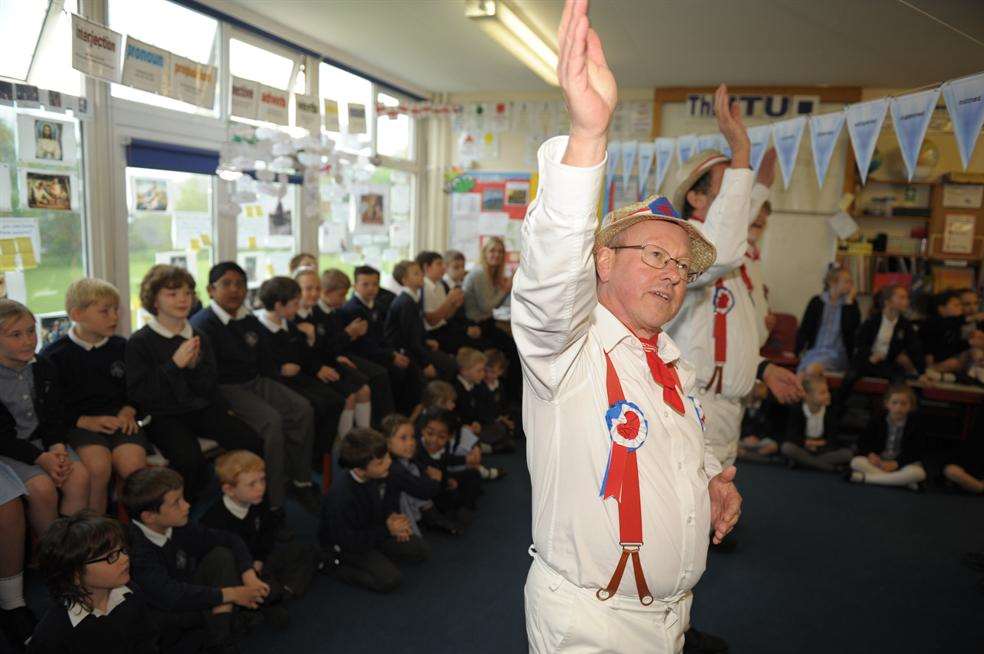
(656, 207)
(691, 171)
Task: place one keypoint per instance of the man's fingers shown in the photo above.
(565, 18)
(596, 53)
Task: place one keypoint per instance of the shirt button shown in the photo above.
(690, 519)
(666, 414)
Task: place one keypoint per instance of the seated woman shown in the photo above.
(826, 333)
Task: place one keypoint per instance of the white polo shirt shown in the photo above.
(563, 334)
(434, 296)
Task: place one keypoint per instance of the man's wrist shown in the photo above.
(585, 151)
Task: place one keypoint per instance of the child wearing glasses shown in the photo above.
(86, 564)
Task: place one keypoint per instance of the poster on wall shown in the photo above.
(243, 98)
(20, 243)
(280, 223)
(191, 231)
(95, 49)
(47, 191)
(356, 118)
(27, 96)
(371, 210)
(45, 140)
(486, 205)
(331, 116)
(517, 193)
(146, 67)
(192, 82)
(53, 102)
(958, 233)
(150, 194)
(272, 107)
(306, 113)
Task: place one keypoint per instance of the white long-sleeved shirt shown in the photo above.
(563, 334)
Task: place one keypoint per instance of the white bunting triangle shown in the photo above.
(686, 147)
(647, 151)
(824, 131)
(722, 146)
(759, 137)
(965, 102)
(629, 151)
(787, 135)
(664, 154)
(911, 114)
(707, 142)
(864, 123)
(614, 159)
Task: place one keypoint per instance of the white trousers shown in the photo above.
(910, 474)
(722, 425)
(562, 618)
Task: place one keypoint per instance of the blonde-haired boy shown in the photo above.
(287, 568)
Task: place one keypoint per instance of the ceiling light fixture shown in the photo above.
(517, 35)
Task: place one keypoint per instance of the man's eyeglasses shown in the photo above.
(658, 258)
(112, 557)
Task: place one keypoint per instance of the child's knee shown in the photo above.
(128, 459)
(41, 490)
(98, 464)
(350, 402)
(79, 479)
(951, 470)
(363, 394)
(857, 463)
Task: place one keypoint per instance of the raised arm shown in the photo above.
(554, 289)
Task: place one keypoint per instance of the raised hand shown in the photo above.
(767, 169)
(588, 84)
(731, 126)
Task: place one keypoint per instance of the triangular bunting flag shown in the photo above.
(614, 159)
(722, 146)
(686, 147)
(965, 102)
(664, 154)
(787, 135)
(647, 151)
(910, 118)
(759, 136)
(707, 142)
(864, 122)
(824, 130)
(629, 151)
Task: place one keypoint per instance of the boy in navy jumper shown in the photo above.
(287, 567)
(96, 608)
(171, 376)
(461, 486)
(283, 417)
(359, 533)
(91, 375)
(192, 576)
(404, 328)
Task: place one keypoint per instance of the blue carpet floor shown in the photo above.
(822, 566)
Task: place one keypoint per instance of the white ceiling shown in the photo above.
(874, 43)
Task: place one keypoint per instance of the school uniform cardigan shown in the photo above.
(875, 437)
(165, 573)
(353, 517)
(371, 345)
(404, 328)
(159, 387)
(942, 338)
(258, 529)
(47, 402)
(330, 338)
(904, 339)
(92, 382)
(795, 432)
(806, 335)
(238, 348)
(402, 480)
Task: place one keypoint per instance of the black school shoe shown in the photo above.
(434, 519)
(699, 642)
(17, 625)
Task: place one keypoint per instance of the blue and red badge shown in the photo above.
(628, 428)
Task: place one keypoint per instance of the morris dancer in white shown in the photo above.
(615, 433)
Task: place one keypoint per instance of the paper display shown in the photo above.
(646, 152)
(843, 225)
(399, 235)
(192, 82)
(910, 118)
(45, 140)
(400, 199)
(787, 136)
(95, 49)
(27, 96)
(492, 224)
(356, 118)
(824, 131)
(46, 191)
(146, 67)
(53, 102)
(330, 237)
(958, 233)
(244, 98)
(864, 123)
(759, 137)
(664, 154)
(331, 116)
(963, 196)
(686, 147)
(517, 193)
(965, 102)
(188, 230)
(306, 113)
(20, 243)
(5, 191)
(272, 106)
(629, 151)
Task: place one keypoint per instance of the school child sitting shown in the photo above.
(33, 434)
(410, 489)
(192, 576)
(360, 535)
(287, 568)
(942, 336)
(303, 260)
(461, 487)
(476, 405)
(439, 303)
(90, 360)
(404, 328)
(809, 440)
(826, 332)
(465, 448)
(171, 376)
(507, 412)
(964, 467)
(890, 449)
(85, 562)
(756, 443)
(283, 417)
(17, 621)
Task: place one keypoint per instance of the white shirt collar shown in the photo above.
(77, 613)
(890, 321)
(494, 385)
(467, 384)
(235, 508)
(363, 300)
(303, 313)
(450, 282)
(356, 477)
(186, 330)
(324, 307)
(241, 313)
(157, 539)
(86, 345)
(414, 295)
(612, 332)
(270, 322)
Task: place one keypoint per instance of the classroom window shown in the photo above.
(170, 220)
(394, 136)
(169, 26)
(259, 65)
(42, 211)
(266, 230)
(354, 134)
(18, 49)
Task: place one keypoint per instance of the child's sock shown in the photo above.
(363, 414)
(482, 470)
(345, 422)
(857, 477)
(12, 592)
(302, 484)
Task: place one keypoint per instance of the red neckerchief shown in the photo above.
(663, 374)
